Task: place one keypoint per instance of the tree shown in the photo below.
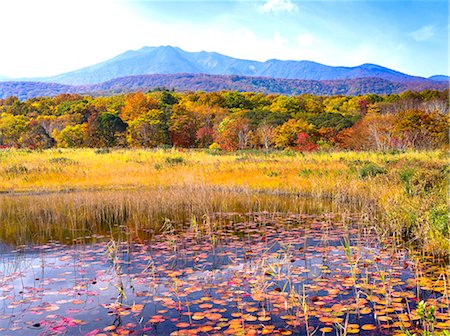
(147, 130)
(422, 130)
(183, 128)
(35, 137)
(12, 105)
(334, 104)
(266, 134)
(313, 104)
(137, 104)
(167, 99)
(288, 105)
(205, 136)
(236, 100)
(305, 143)
(71, 136)
(233, 133)
(53, 123)
(11, 129)
(331, 120)
(373, 132)
(287, 134)
(105, 129)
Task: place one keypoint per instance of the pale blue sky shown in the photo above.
(47, 37)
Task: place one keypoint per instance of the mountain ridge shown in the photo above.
(440, 78)
(173, 60)
(203, 82)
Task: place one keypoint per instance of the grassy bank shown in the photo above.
(402, 194)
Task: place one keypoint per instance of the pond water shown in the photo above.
(141, 263)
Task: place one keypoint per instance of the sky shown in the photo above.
(49, 37)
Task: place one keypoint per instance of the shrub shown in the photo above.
(176, 160)
(102, 151)
(439, 218)
(215, 146)
(16, 170)
(305, 172)
(214, 149)
(62, 161)
(371, 170)
(405, 177)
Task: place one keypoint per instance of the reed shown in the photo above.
(403, 205)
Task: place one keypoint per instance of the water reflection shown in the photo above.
(273, 265)
(88, 216)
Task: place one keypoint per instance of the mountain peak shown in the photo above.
(371, 66)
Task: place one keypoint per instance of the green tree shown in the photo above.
(12, 127)
(105, 129)
(236, 100)
(147, 130)
(71, 136)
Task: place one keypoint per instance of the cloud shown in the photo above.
(423, 34)
(49, 37)
(279, 6)
(305, 39)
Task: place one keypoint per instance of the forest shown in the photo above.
(228, 120)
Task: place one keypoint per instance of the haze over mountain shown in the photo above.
(173, 60)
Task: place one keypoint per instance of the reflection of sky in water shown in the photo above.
(47, 277)
(40, 286)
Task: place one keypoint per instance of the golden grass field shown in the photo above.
(404, 195)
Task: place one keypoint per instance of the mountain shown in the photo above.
(440, 78)
(26, 90)
(202, 82)
(152, 67)
(172, 60)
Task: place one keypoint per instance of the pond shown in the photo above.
(196, 262)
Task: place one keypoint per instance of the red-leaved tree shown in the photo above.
(305, 143)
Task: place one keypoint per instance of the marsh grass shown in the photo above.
(401, 194)
(89, 216)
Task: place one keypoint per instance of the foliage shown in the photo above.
(439, 218)
(71, 136)
(287, 134)
(147, 130)
(305, 144)
(11, 129)
(234, 120)
(233, 133)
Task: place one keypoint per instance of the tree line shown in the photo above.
(228, 120)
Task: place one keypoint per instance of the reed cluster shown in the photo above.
(402, 194)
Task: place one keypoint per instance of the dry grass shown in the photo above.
(402, 194)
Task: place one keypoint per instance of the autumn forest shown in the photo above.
(228, 120)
